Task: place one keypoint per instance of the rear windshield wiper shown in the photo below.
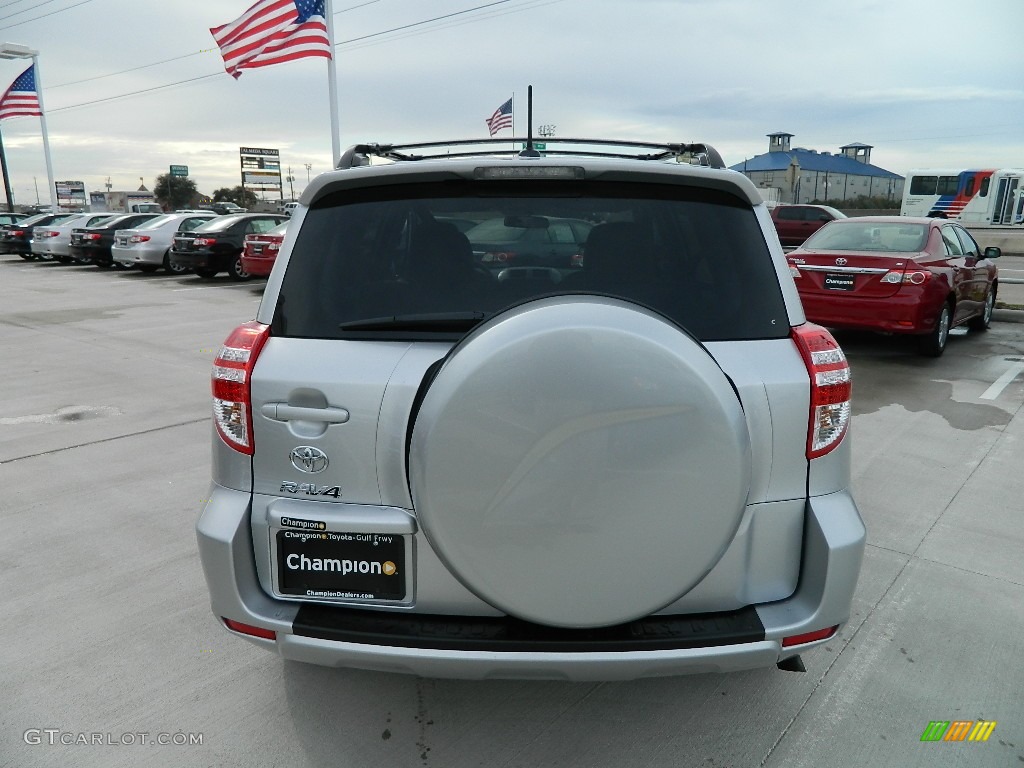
(432, 321)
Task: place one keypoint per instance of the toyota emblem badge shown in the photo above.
(308, 459)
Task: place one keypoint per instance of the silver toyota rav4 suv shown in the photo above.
(623, 458)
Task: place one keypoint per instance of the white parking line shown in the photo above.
(207, 287)
(1002, 382)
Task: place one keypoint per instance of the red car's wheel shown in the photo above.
(934, 344)
(982, 321)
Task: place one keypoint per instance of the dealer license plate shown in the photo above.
(840, 282)
(341, 566)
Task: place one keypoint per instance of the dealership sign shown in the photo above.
(261, 168)
(71, 194)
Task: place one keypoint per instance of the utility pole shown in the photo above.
(308, 169)
(291, 185)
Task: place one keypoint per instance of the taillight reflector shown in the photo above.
(830, 388)
(232, 402)
(809, 637)
(249, 629)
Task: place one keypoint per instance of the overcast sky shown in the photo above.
(132, 87)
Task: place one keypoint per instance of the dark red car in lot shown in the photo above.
(897, 274)
(795, 223)
(260, 250)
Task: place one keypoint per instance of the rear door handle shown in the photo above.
(285, 412)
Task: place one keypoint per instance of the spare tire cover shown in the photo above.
(579, 461)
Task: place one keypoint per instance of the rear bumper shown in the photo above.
(477, 648)
(97, 254)
(138, 254)
(892, 314)
(199, 259)
(257, 266)
(15, 246)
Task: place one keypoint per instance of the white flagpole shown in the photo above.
(332, 87)
(46, 139)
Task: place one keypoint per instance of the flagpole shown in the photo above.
(332, 86)
(7, 180)
(46, 138)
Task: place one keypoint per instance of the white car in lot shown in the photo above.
(147, 246)
(51, 241)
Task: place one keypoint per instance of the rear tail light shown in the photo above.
(830, 388)
(16, 232)
(204, 241)
(45, 234)
(140, 238)
(273, 246)
(897, 277)
(91, 236)
(232, 401)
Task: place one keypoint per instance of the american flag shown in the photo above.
(502, 118)
(273, 32)
(21, 98)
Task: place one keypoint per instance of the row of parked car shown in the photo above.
(200, 241)
(890, 274)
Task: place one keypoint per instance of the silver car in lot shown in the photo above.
(631, 464)
(147, 247)
(52, 240)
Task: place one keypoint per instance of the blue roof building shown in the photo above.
(798, 175)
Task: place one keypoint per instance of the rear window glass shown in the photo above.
(850, 235)
(158, 222)
(372, 255)
(220, 223)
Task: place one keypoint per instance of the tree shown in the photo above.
(174, 192)
(237, 195)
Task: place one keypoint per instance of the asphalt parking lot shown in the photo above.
(110, 655)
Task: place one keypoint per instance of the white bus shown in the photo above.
(991, 197)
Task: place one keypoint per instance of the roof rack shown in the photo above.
(693, 154)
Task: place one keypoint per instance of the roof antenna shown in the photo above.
(528, 150)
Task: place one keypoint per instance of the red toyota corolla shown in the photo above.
(260, 250)
(897, 274)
